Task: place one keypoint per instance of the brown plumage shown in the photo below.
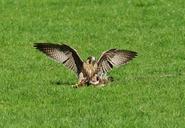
(90, 71)
(114, 58)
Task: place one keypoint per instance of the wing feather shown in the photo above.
(114, 58)
(62, 54)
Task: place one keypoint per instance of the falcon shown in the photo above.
(91, 71)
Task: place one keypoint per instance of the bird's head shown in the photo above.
(91, 60)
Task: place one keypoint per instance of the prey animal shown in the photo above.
(91, 71)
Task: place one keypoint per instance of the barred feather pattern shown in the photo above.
(62, 54)
(114, 58)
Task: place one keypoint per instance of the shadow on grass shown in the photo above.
(60, 82)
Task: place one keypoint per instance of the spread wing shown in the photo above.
(62, 54)
(114, 58)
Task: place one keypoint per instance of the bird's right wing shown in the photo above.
(62, 54)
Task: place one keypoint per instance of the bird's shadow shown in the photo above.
(61, 82)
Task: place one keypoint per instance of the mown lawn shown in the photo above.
(148, 92)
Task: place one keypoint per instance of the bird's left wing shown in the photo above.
(62, 54)
(114, 58)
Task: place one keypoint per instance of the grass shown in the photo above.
(148, 92)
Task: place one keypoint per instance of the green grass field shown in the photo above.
(149, 92)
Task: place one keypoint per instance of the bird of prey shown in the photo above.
(89, 72)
